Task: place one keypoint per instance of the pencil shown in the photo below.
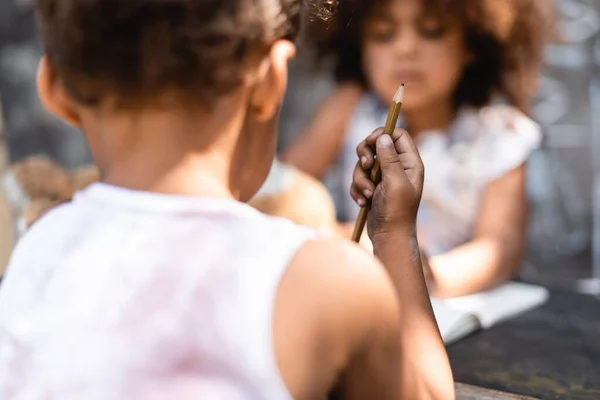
(390, 126)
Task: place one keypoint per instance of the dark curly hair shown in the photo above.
(134, 49)
(506, 37)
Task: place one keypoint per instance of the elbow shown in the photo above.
(441, 389)
(512, 268)
(448, 391)
(513, 257)
(437, 381)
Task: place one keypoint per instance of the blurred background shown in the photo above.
(564, 184)
(562, 176)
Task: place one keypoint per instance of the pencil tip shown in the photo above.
(399, 96)
(402, 84)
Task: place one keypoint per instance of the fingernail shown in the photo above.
(363, 162)
(386, 140)
(368, 193)
(361, 202)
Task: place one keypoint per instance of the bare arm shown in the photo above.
(316, 149)
(496, 251)
(412, 363)
(405, 359)
(341, 322)
(338, 324)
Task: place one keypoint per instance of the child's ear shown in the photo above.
(53, 95)
(271, 81)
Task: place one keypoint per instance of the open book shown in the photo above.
(462, 316)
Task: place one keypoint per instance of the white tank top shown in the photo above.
(132, 295)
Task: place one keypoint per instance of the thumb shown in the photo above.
(388, 157)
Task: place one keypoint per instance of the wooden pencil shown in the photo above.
(389, 128)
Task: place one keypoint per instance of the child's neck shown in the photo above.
(164, 153)
(438, 116)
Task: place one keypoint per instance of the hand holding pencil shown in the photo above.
(388, 180)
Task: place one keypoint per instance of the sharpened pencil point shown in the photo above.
(399, 96)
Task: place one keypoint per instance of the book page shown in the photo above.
(453, 324)
(499, 304)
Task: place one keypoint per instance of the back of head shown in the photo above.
(182, 72)
(136, 49)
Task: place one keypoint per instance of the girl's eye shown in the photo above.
(381, 32)
(431, 28)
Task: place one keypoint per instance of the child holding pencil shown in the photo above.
(470, 68)
(159, 282)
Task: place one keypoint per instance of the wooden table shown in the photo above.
(466, 392)
(551, 353)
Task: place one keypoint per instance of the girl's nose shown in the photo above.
(406, 43)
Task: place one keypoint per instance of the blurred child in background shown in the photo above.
(470, 69)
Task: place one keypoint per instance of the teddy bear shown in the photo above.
(37, 184)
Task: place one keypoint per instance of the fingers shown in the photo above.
(408, 155)
(398, 134)
(366, 149)
(404, 143)
(362, 188)
(389, 159)
(410, 159)
(399, 158)
(402, 140)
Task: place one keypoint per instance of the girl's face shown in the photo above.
(403, 43)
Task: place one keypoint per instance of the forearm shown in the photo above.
(426, 371)
(402, 259)
(474, 267)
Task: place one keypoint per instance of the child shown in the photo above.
(158, 282)
(470, 69)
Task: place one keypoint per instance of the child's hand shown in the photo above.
(395, 201)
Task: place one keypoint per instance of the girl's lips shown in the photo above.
(408, 77)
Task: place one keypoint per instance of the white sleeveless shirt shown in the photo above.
(133, 295)
(480, 146)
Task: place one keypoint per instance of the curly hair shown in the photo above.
(506, 37)
(134, 49)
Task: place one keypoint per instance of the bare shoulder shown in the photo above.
(333, 300)
(344, 265)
